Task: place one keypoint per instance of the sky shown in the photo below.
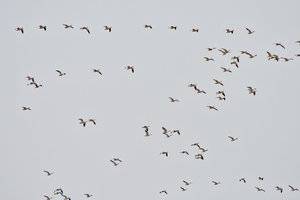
(49, 137)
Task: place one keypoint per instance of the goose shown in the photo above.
(146, 130)
(108, 28)
(88, 195)
(249, 54)
(279, 44)
(58, 191)
(173, 100)
(260, 189)
(196, 144)
(97, 71)
(81, 121)
(237, 58)
(249, 31)
(21, 29)
(185, 152)
(163, 192)
(232, 139)
(251, 90)
(36, 85)
(48, 173)
(211, 48)
(212, 108)
(209, 59)
(68, 26)
(286, 59)
(216, 183)
(235, 63)
(203, 150)
(173, 27)
(114, 163)
(147, 26)
(221, 93)
(86, 29)
(217, 82)
(26, 108)
(130, 67)
(229, 31)
(279, 189)
(93, 121)
(243, 180)
(29, 78)
(117, 160)
(195, 30)
(42, 27)
(224, 51)
(165, 153)
(199, 156)
(47, 197)
(60, 73)
(183, 189)
(186, 183)
(221, 98)
(226, 69)
(176, 131)
(200, 91)
(260, 178)
(293, 189)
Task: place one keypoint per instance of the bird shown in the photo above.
(232, 139)
(86, 29)
(146, 130)
(186, 182)
(97, 71)
(212, 108)
(200, 91)
(249, 54)
(286, 59)
(48, 173)
(165, 130)
(209, 59)
(165, 153)
(293, 189)
(42, 27)
(279, 44)
(199, 156)
(185, 152)
(117, 160)
(108, 28)
(203, 150)
(176, 131)
(36, 85)
(93, 121)
(211, 48)
(47, 197)
(196, 144)
(243, 180)
(68, 26)
(81, 121)
(229, 31)
(26, 108)
(88, 195)
(60, 73)
(279, 189)
(237, 58)
(147, 26)
(221, 93)
(173, 100)
(226, 69)
(30, 78)
(130, 67)
(58, 191)
(216, 183)
(195, 30)
(173, 27)
(249, 31)
(260, 189)
(260, 178)
(217, 82)
(235, 63)
(163, 192)
(114, 163)
(251, 90)
(21, 29)
(183, 189)
(221, 98)
(224, 51)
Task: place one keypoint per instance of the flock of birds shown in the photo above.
(220, 95)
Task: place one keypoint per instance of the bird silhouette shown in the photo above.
(88, 195)
(20, 29)
(209, 59)
(216, 183)
(243, 180)
(217, 82)
(148, 26)
(280, 45)
(163, 192)
(183, 189)
(249, 31)
(81, 121)
(176, 131)
(251, 90)
(260, 178)
(42, 27)
(66, 26)
(165, 153)
(286, 59)
(114, 163)
(60, 73)
(97, 71)
(221, 93)
(279, 189)
(229, 31)
(117, 160)
(260, 189)
(226, 69)
(48, 173)
(293, 189)
(173, 27)
(130, 67)
(86, 29)
(146, 130)
(47, 197)
(93, 121)
(195, 30)
(235, 64)
(185, 152)
(26, 108)
(221, 98)
(212, 108)
(108, 28)
(232, 139)
(211, 48)
(224, 51)
(186, 182)
(173, 100)
(236, 58)
(199, 156)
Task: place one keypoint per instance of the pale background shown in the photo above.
(49, 137)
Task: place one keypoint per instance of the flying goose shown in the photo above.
(68, 26)
(186, 183)
(86, 29)
(237, 58)
(293, 189)
(211, 48)
(173, 100)
(235, 63)
(130, 67)
(260, 178)
(48, 173)
(113, 162)
(286, 59)
(173, 27)
(29, 78)
(60, 73)
(58, 191)
(108, 28)
(93, 121)
(183, 189)
(97, 71)
(36, 85)
(185, 152)
(243, 180)
(212, 108)
(279, 44)
(147, 26)
(216, 183)
(209, 59)
(47, 197)
(232, 139)
(203, 150)
(26, 108)
(249, 54)
(88, 195)
(226, 69)
(249, 31)
(195, 30)
(117, 160)
(229, 31)
(221, 93)
(42, 27)
(163, 192)
(200, 91)
(251, 90)
(199, 156)
(260, 189)
(81, 121)
(217, 82)
(224, 51)
(21, 29)
(196, 144)
(176, 131)
(164, 153)
(221, 98)
(146, 130)
(279, 189)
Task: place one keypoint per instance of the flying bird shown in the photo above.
(117, 160)
(235, 63)
(183, 189)
(81, 121)
(211, 48)
(217, 82)
(165, 153)
(186, 183)
(108, 28)
(209, 59)
(237, 58)
(93, 121)
(147, 26)
(21, 29)
(86, 29)
(293, 189)
(251, 90)
(224, 51)
(226, 69)
(26, 108)
(130, 67)
(185, 152)
(232, 139)
(286, 59)
(97, 71)
(114, 163)
(173, 27)
(60, 73)
(229, 31)
(279, 189)
(195, 30)
(42, 27)
(47, 197)
(88, 195)
(66, 26)
(199, 156)
(173, 100)
(260, 178)
(249, 31)
(221, 98)
(221, 93)
(260, 189)
(212, 108)
(280, 45)
(216, 183)
(48, 173)
(176, 131)
(163, 192)
(243, 180)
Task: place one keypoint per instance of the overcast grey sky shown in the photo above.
(49, 137)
